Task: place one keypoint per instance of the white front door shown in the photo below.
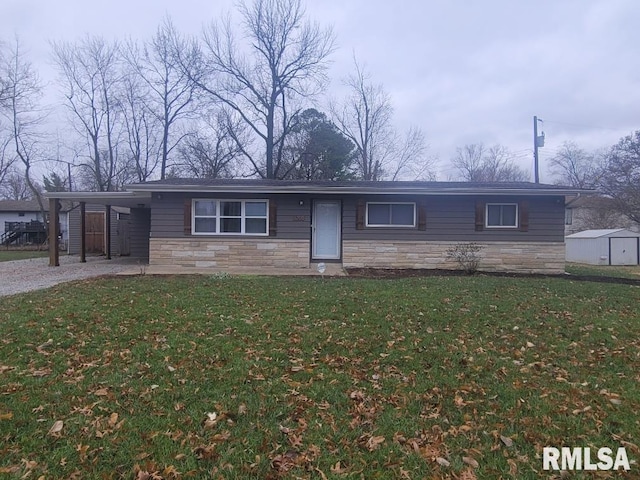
(326, 230)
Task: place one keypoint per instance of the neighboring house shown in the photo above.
(273, 223)
(615, 246)
(594, 213)
(24, 219)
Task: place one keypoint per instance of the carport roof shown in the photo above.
(129, 199)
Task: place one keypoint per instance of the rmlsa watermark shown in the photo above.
(581, 458)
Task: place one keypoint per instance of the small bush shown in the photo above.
(467, 256)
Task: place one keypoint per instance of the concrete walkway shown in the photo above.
(332, 270)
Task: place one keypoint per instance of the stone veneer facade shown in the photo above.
(523, 257)
(229, 252)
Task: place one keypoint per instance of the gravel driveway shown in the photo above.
(35, 273)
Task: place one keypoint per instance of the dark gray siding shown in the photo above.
(74, 228)
(448, 218)
(452, 218)
(139, 228)
(167, 214)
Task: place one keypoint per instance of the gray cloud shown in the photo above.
(463, 71)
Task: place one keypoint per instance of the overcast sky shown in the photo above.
(464, 71)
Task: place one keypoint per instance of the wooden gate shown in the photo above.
(94, 232)
(124, 235)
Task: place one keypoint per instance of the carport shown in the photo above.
(138, 203)
(616, 246)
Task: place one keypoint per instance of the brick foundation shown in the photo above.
(229, 252)
(534, 257)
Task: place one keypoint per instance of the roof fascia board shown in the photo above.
(352, 190)
(82, 196)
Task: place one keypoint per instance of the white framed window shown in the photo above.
(568, 216)
(229, 217)
(501, 215)
(391, 214)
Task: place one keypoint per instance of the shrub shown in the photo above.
(466, 255)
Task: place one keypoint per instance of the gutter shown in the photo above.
(350, 190)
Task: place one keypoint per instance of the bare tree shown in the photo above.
(171, 90)
(575, 167)
(211, 150)
(476, 163)
(23, 114)
(411, 157)
(285, 60)
(366, 118)
(621, 177)
(7, 157)
(92, 76)
(4, 89)
(141, 127)
(14, 186)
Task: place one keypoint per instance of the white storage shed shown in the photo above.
(604, 247)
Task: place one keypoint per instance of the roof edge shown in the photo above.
(353, 189)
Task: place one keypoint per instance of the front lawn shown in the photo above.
(208, 377)
(603, 270)
(10, 255)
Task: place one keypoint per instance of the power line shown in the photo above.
(581, 125)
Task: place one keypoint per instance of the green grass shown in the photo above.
(312, 378)
(10, 255)
(603, 270)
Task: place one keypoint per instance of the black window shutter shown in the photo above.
(187, 216)
(361, 208)
(422, 216)
(273, 218)
(480, 207)
(523, 211)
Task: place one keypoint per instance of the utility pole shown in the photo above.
(538, 141)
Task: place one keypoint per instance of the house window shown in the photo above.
(568, 216)
(21, 214)
(230, 217)
(391, 214)
(503, 215)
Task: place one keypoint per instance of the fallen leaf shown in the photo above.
(113, 419)
(337, 468)
(56, 428)
(11, 469)
(374, 442)
(6, 416)
(47, 344)
(507, 441)
(101, 392)
(470, 461)
(211, 420)
(615, 401)
(443, 462)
